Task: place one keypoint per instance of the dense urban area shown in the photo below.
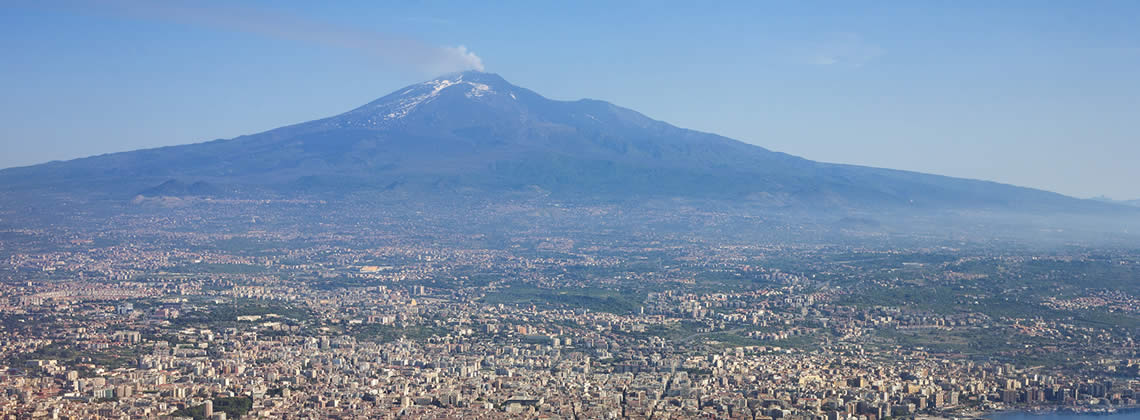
(224, 309)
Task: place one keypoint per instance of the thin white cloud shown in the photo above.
(397, 51)
(846, 49)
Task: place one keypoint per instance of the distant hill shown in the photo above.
(474, 133)
(1104, 199)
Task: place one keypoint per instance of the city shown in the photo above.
(558, 324)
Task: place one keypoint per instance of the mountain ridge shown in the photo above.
(474, 132)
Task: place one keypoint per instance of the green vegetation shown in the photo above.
(696, 372)
(210, 268)
(339, 282)
(226, 314)
(386, 333)
(247, 244)
(725, 340)
(66, 355)
(684, 330)
(941, 300)
(234, 407)
(987, 343)
(595, 299)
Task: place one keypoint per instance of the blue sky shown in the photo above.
(1036, 93)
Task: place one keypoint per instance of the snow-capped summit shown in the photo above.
(389, 110)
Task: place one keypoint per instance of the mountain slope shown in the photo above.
(475, 133)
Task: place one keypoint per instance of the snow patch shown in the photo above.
(410, 101)
(415, 96)
(478, 89)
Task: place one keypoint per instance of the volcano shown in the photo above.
(474, 133)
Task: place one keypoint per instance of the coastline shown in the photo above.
(1045, 411)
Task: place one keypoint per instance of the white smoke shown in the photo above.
(392, 50)
(469, 60)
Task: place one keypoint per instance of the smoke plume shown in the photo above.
(392, 50)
